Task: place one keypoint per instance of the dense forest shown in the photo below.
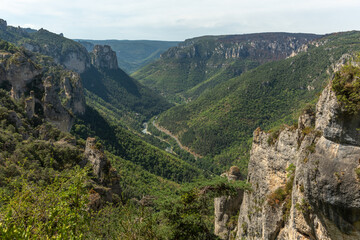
(47, 192)
(220, 122)
(100, 176)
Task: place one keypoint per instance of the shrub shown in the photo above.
(284, 193)
(307, 130)
(357, 171)
(277, 197)
(311, 148)
(346, 85)
(274, 135)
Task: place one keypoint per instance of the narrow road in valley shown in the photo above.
(167, 132)
(145, 130)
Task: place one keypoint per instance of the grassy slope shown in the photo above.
(221, 121)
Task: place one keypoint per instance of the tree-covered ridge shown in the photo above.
(45, 194)
(51, 44)
(115, 87)
(43, 191)
(47, 43)
(198, 60)
(111, 87)
(123, 143)
(220, 122)
(132, 54)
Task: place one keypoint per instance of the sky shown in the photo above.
(175, 20)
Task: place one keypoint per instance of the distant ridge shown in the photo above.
(132, 54)
(185, 71)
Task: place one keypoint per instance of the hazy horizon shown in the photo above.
(176, 21)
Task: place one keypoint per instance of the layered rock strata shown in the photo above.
(304, 180)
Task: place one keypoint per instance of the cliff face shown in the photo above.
(192, 67)
(106, 187)
(66, 52)
(104, 57)
(49, 91)
(227, 207)
(304, 180)
(262, 46)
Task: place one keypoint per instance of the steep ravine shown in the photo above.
(305, 179)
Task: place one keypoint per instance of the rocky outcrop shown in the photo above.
(104, 57)
(106, 187)
(3, 24)
(52, 92)
(72, 55)
(305, 184)
(227, 207)
(94, 154)
(75, 61)
(63, 97)
(30, 105)
(264, 46)
(17, 70)
(335, 122)
(68, 53)
(53, 110)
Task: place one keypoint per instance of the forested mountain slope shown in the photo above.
(53, 183)
(132, 54)
(220, 122)
(185, 71)
(108, 84)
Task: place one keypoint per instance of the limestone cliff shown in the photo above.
(304, 179)
(70, 54)
(49, 90)
(227, 207)
(66, 52)
(106, 187)
(104, 57)
(263, 46)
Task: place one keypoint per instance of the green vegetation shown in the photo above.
(346, 85)
(223, 119)
(304, 207)
(132, 54)
(126, 100)
(44, 194)
(56, 210)
(357, 172)
(184, 72)
(311, 148)
(274, 135)
(8, 47)
(283, 194)
(124, 144)
(53, 44)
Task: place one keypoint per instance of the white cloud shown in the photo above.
(176, 20)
